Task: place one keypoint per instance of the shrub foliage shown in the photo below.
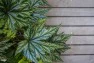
(24, 38)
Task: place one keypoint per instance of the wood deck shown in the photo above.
(77, 18)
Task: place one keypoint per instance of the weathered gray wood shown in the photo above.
(70, 21)
(71, 3)
(71, 12)
(77, 59)
(80, 50)
(83, 11)
(81, 40)
(77, 30)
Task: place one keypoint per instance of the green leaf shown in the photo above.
(24, 60)
(21, 46)
(4, 45)
(40, 61)
(9, 33)
(17, 13)
(34, 46)
(23, 22)
(59, 39)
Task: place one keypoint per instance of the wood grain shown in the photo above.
(77, 30)
(77, 59)
(70, 21)
(80, 50)
(76, 18)
(71, 12)
(83, 40)
(71, 3)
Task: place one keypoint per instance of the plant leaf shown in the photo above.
(35, 47)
